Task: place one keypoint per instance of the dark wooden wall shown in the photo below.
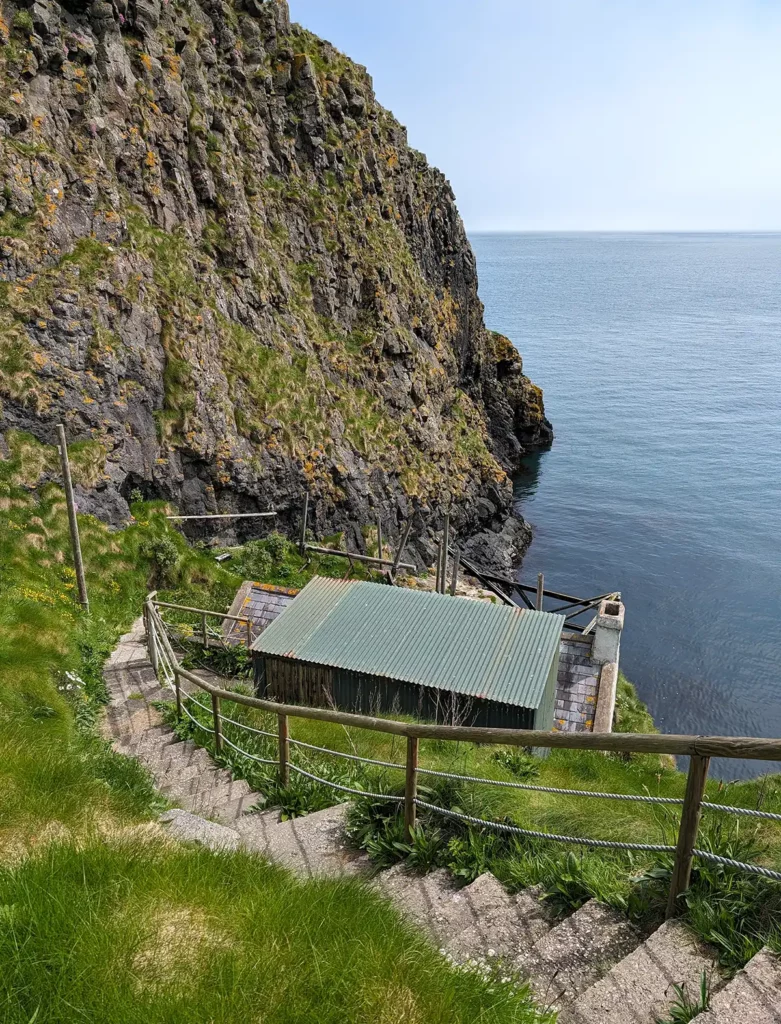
(300, 682)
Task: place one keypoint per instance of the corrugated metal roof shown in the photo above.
(451, 643)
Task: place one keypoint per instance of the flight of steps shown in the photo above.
(593, 966)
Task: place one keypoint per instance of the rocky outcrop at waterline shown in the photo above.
(226, 271)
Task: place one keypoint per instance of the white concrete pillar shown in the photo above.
(607, 632)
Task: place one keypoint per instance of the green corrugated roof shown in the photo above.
(451, 643)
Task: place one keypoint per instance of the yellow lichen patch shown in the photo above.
(174, 941)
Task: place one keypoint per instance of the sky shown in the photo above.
(581, 115)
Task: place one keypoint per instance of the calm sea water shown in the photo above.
(660, 359)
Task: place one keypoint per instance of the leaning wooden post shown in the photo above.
(400, 552)
(151, 640)
(284, 751)
(456, 565)
(178, 689)
(410, 786)
(445, 543)
(72, 520)
(687, 834)
(302, 539)
(217, 723)
(204, 634)
(540, 591)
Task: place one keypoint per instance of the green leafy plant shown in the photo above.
(684, 1007)
(164, 556)
(520, 764)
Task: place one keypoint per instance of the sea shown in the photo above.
(660, 360)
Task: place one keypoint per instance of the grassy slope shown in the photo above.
(100, 918)
(180, 935)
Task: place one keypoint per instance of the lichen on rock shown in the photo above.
(221, 261)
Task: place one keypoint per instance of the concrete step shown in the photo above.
(432, 901)
(157, 737)
(752, 997)
(536, 916)
(577, 952)
(315, 845)
(499, 922)
(255, 829)
(192, 828)
(235, 810)
(640, 987)
(211, 801)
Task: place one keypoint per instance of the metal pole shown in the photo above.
(456, 564)
(410, 786)
(540, 589)
(217, 723)
(72, 520)
(687, 834)
(302, 540)
(284, 751)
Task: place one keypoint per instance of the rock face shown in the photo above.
(222, 266)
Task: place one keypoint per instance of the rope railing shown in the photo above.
(698, 748)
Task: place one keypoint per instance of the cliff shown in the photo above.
(226, 271)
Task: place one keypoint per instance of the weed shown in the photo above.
(685, 1008)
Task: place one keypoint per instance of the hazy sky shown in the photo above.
(581, 114)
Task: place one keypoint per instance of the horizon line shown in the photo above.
(622, 231)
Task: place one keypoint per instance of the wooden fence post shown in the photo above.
(400, 552)
(302, 539)
(217, 723)
(410, 786)
(379, 536)
(540, 589)
(445, 543)
(151, 640)
(456, 565)
(249, 634)
(687, 833)
(203, 630)
(178, 688)
(284, 751)
(73, 522)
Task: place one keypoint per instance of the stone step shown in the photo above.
(499, 922)
(640, 987)
(255, 829)
(577, 952)
(233, 811)
(191, 828)
(537, 916)
(210, 801)
(752, 997)
(432, 901)
(315, 845)
(126, 721)
(157, 737)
